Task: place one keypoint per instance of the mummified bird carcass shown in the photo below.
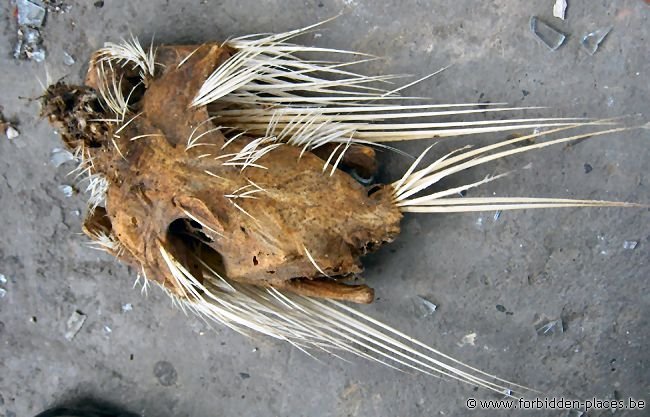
(228, 174)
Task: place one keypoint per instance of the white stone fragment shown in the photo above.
(559, 9)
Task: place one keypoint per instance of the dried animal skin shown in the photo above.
(221, 172)
(296, 222)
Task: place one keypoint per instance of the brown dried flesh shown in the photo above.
(155, 181)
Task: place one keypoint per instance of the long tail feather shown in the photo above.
(414, 182)
(265, 82)
(325, 325)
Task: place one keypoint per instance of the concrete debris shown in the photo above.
(630, 244)
(74, 324)
(67, 190)
(12, 132)
(479, 222)
(469, 339)
(559, 9)
(3, 291)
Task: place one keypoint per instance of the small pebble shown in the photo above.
(12, 132)
(559, 9)
(3, 292)
(3, 279)
(479, 222)
(501, 308)
(588, 168)
(468, 339)
(74, 324)
(127, 307)
(66, 190)
(630, 244)
(68, 59)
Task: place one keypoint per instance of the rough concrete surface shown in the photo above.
(496, 279)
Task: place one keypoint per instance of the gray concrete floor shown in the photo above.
(567, 264)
